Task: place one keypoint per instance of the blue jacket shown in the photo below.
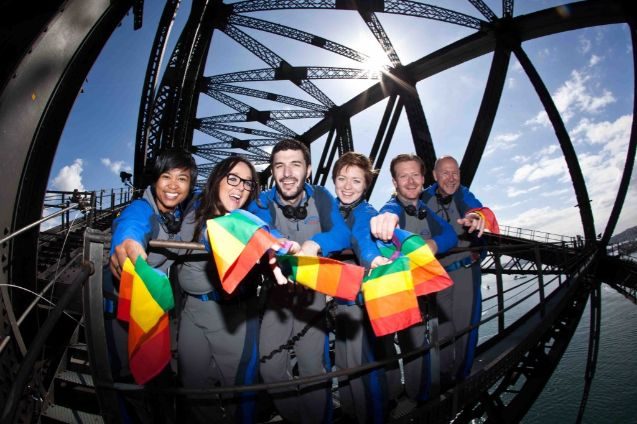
(441, 232)
(463, 198)
(140, 221)
(335, 235)
(363, 245)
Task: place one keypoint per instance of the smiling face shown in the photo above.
(408, 181)
(172, 188)
(350, 184)
(234, 197)
(447, 174)
(290, 172)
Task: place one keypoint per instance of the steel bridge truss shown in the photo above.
(74, 32)
(167, 113)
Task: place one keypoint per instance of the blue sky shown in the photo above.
(522, 175)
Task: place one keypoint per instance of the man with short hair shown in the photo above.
(294, 315)
(406, 210)
(460, 305)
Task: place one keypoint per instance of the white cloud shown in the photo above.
(511, 192)
(594, 60)
(117, 166)
(613, 135)
(572, 97)
(543, 168)
(70, 177)
(549, 150)
(520, 159)
(501, 142)
(555, 192)
(511, 82)
(541, 119)
(602, 165)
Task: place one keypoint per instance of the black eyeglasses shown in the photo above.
(234, 180)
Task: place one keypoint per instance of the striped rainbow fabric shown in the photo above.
(428, 275)
(491, 223)
(324, 275)
(238, 240)
(390, 298)
(145, 297)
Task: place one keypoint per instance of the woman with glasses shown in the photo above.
(219, 333)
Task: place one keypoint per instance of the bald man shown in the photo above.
(460, 305)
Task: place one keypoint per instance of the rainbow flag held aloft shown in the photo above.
(325, 275)
(238, 240)
(491, 223)
(428, 275)
(390, 298)
(145, 297)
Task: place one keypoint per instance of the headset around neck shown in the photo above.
(346, 210)
(419, 212)
(171, 221)
(295, 212)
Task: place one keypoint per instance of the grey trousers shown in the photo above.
(218, 347)
(459, 306)
(364, 395)
(289, 309)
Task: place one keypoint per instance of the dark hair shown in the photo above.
(291, 144)
(406, 157)
(210, 205)
(355, 159)
(174, 159)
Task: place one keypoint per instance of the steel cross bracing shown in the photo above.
(227, 88)
(244, 130)
(381, 36)
(294, 72)
(401, 7)
(298, 35)
(484, 9)
(275, 62)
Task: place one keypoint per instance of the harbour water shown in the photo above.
(613, 393)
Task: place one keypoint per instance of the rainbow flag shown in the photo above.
(487, 215)
(390, 298)
(325, 275)
(238, 240)
(145, 297)
(428, 275)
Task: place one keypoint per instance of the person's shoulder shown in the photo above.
(365, 209)
(464, 191)
(265, 198)
(429, 191)
(139, 206)
(317, 190)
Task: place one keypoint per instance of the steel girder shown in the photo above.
(150, 83)
(34, 105)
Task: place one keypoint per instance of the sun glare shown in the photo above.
(376, 65)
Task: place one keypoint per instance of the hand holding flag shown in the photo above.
(480, 219)
(145, 297)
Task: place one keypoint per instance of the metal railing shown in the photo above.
(541, 236)
(92, 204)
(507, 299)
